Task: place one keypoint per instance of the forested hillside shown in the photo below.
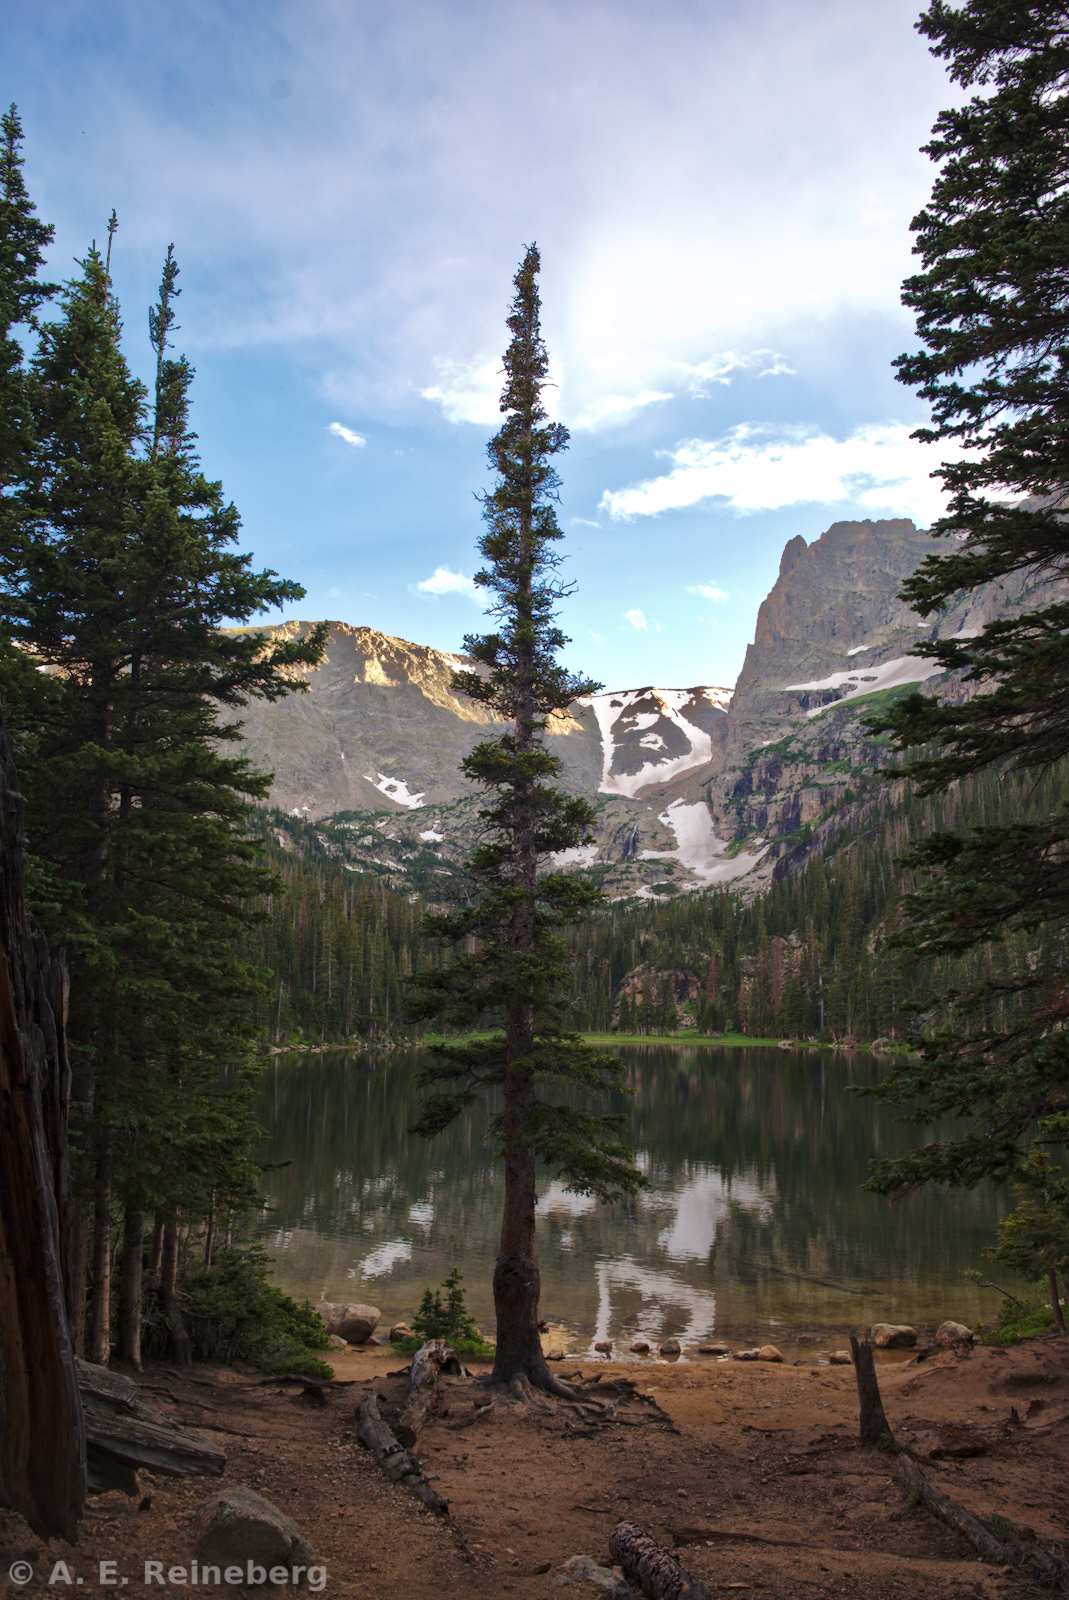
(814, 957)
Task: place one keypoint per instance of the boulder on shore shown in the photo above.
(949, 1335)
(603, 1347)
(336, 1342)
(893, 1336)
(840, 1358)
(640, 1347)
(237, 1526)
(761, 1352)
(353, 1323)
(400, 1330)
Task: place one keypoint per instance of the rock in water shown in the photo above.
(640, 1347)
(892, 1336)
(353, 1323)
(603, 1347)
(714, 1349)
(950, 1334)
(237, 1526)
(671, 1348)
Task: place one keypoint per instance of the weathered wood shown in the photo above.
(647, 1565)
(424, 1392)
(42, 1443)
(873, 1424)
(107, 1387)
(119, 1443)
(1042, 1564)
(392, 1457)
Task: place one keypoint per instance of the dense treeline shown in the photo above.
(815, 956)
(812, 957)
(339, 947)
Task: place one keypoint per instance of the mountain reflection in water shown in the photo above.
(754, 1219)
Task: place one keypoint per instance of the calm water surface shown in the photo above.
(754, 1221)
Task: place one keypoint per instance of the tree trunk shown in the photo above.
(130, 1287)
(392, 1457)
(424, 1393)
(654, 1571)
(42, 1442)
(180, 1342)
(874, 1425)
(98, 1340)
(1056, 1302)
(155, 1254)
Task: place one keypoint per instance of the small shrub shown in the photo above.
(235, 1314)
(1018, 1322)
(443, 1314)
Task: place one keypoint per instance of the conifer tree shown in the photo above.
(512, 966)
(992, 309)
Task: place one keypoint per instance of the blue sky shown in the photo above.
(722, 195)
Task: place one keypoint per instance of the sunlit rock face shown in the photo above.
(694, 787)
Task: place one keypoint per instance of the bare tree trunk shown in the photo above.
(1056, 1302)
(180, 1342)
(98, 1339)
(155, 1254)
(42, 1440)
(874, 1425)
(130, 1287)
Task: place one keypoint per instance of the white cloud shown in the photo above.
(708, 591)
(722, 368)
(877, 468)
(469, 391)
(583, 522)
(638, 619)
(443, 581)
(611, 408)
(340, 431)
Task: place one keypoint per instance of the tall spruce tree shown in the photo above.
(511, 968)
(992, 308)
(120, 584)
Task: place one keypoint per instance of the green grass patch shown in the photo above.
(1019, 1322)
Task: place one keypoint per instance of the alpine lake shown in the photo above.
(754, 1225)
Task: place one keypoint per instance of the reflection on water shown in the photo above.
(753, 1220)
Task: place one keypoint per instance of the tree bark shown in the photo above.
(1056, 1302)
(155, 1254)
(874, 1425)
(392, 1457)
(180, 1342)
(428, 1364)
(98, 1340)
(130, 1287)
(651, 1568)
(42, 1442)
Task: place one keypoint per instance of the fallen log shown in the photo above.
(124, 1435)
(392, 1457)
(1043, 1565)
(428, 1364)
(874, 1425)
(648, 1566)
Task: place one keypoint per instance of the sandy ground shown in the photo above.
(749, 1471)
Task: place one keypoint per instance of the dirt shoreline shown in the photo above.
(750, 1471)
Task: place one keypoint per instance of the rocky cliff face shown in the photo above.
(693, 787)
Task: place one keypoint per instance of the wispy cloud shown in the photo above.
(348, 435)
(615, 408)
(444, 581)
(638, 619)
(878, 468)
(468, 391)
(708, 591)
(583, 522)
(700, 377)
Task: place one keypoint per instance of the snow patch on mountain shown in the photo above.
(395, 789)
(613, 708)
(697, 847)
(578, 855)
(867, 680)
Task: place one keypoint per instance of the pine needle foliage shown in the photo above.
(992, 312)
(511, 962)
